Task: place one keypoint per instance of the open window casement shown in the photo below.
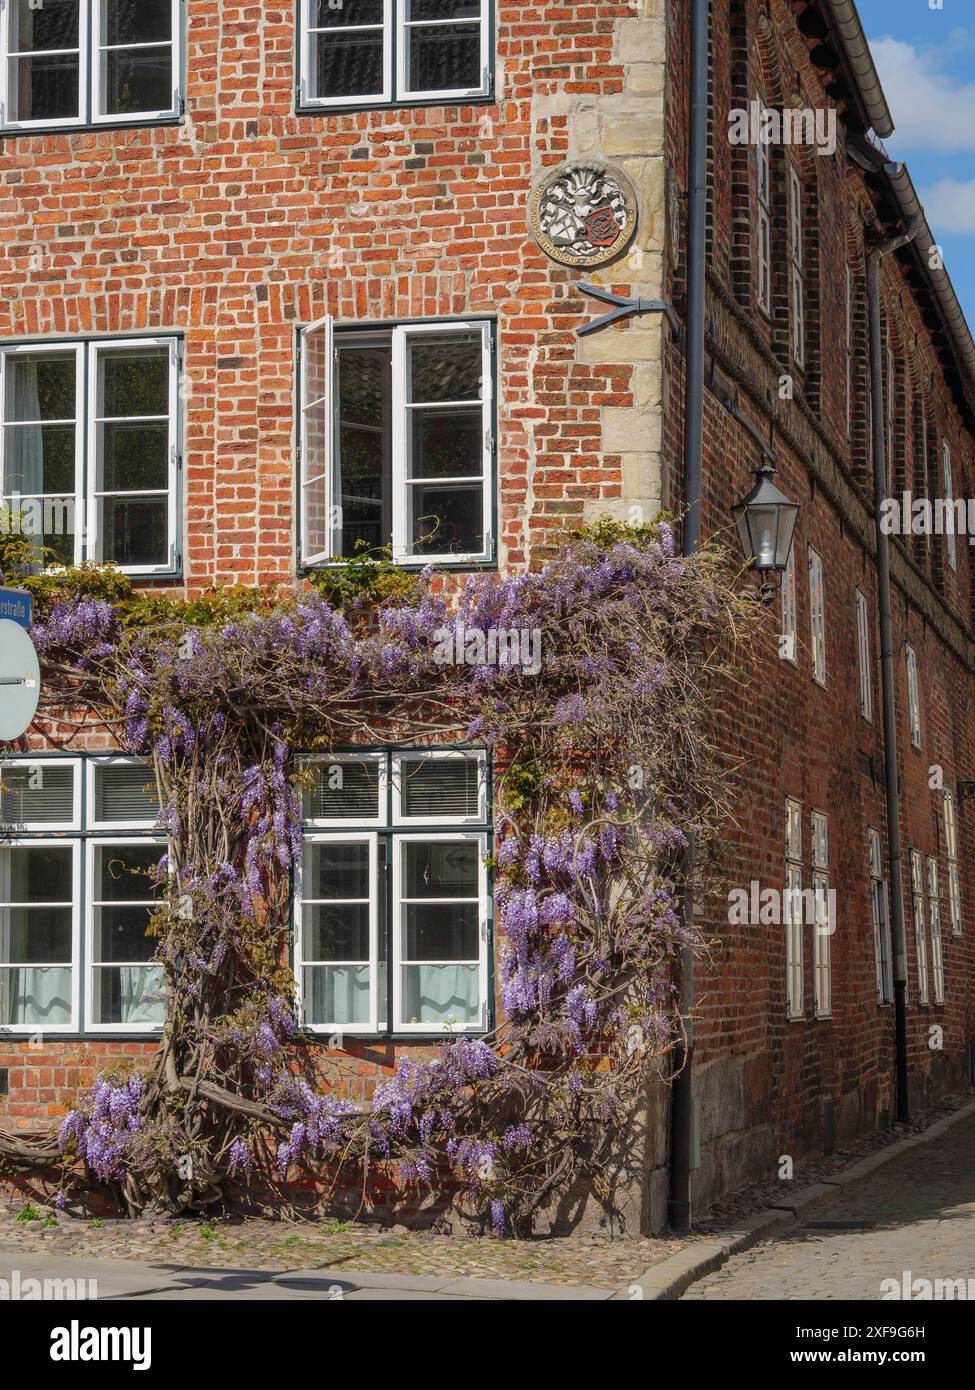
(442, 442)
(443, 49)
(320, 537)
(337, 933)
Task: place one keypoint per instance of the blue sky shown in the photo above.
(925, 54)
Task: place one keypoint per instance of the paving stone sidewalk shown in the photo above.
(917, 1213)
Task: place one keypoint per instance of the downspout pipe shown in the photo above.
(682, 1110)
(887, 672)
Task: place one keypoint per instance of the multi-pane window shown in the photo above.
(913, 697)
(396, 442)
(817, 616)
(917, 900)
(949, 499)
(824, 924)
(89, 452)
(798, 280)
(793, 913)
(763, 223)
(863, 655)
(88, 62)
(392, 906)
(951, 848)
(880, 916)
(369, 52)
(79, 881)
(788, 640)
(937, 954)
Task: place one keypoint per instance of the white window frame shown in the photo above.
(863, 655)
(314, 473)
(950, 542)
(93, 843)
(822, 930)
(397, 962)
(789, 648)
(817, 616)
(798, 280)
(395, 89)
(437, 755)
(92, 765)
(913, 695)
(880, 915)
(951, 851)
(763, 221)
(75, 964)
(50, 827)
(348, 837)
(792, 915)
(920, 931)
(350, 821)
(90, 22)
(937, 949)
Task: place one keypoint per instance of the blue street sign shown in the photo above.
(16, 606)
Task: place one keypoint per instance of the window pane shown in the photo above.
(126, 873)
(441, 931)
(134, 531)
(343, 790)
(41, 386)
(446, 443)
(128, 994)
(441, 994)
(38, 875)
(336, 933)
(119, 934)
(35, 934)
(447, 520)
(444, 57)
(347, 64)
(134, 456)
(35, 998)
(337, 994)
(441, 869)
(53, 25)
(134, 382)
(136, 21)
(363, 446)
(330, 14)
(440, 787)
(44, 88)
(47, 524)
(336, 871)
(125, 793)
(448, 369)
(39, 795)
(39, 459)
(442, 9)
(139, 79)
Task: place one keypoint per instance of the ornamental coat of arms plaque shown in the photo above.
(583, 214)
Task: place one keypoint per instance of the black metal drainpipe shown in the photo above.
(682, 1118)
(887, 676)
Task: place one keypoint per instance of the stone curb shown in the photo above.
(669, 1279)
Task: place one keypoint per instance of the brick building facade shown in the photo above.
(201, 204)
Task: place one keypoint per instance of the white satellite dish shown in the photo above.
(20, 680)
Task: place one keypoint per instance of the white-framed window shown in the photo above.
(67, 63)
(949, 498)
(920, 943)
(951, 850)
(763, 221)
(378, 52)
(789, 636)
(817, 616)
(863, 655)
(880, 917)
(396, 442)
(793, 913)
(824, 925)
(798, 274)
(75, 905)
(89, 450)
(937, 953)
(913, 696)
(392, 923)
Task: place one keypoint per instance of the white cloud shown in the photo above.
(931, 109)
(950, 207)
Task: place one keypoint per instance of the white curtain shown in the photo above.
(29, 457)
(438, 993)
(137, 981)
(340, 994)
(37, 996)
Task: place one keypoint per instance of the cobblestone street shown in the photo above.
(917, 1214)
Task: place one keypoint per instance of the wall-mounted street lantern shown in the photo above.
(766, 522)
